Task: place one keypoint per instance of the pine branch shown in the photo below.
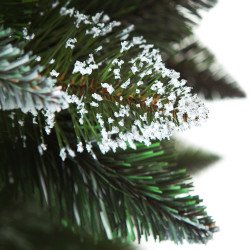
(175, 21)
(193, 159)
(128, 194)
(204, 74)
(22, 86)
(106, 195)
(125, 86)
(174, 18)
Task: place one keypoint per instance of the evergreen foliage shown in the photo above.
(128, 194)
(169, 25)
(20, 85)
(193, 158)
(88, 127)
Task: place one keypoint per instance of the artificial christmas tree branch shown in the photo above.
(129, 69)
(22, 86)
(130, 194)
(202, 71)
(193, 158)
(98, 164)
(174, 21)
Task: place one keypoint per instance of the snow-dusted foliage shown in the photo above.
(126, 97)
(160, 102)
(22, 86)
